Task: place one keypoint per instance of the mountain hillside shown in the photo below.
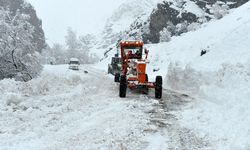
(184, 15)
(122, 18)
(219, 79)
(25, 8)
(145, 20)
(225, 40)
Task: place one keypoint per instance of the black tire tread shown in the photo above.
(123, 86)
(158, 87)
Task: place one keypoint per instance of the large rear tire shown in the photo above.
(146, 78)
(146, 88)
(123, 86)
(117, 77)
(158, 87)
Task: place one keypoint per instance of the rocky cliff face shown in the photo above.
(185, 13)
(145, 20)
(26, 8)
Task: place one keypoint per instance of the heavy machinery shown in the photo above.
(133, 70)
(115, 66)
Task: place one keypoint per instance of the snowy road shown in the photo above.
(64, 109)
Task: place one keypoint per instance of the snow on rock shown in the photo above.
(187, 6)
(119, 23)
(128, 12)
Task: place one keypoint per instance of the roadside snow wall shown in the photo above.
(221, 110)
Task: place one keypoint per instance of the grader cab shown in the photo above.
(133, 70)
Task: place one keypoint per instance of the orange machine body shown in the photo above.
(140, 78)
(141, 72)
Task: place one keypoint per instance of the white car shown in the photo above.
(74, 64)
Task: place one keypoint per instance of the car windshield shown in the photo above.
(132, 50)
(74, 62)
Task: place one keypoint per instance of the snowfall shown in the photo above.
(205, 102)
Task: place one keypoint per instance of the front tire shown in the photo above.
(158, 87)
(117, 77)
(146, 88)
(146, 77)
(123, 86)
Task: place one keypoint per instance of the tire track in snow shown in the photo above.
(163, 116)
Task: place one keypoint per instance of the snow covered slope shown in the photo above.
(120, 22)
(219, 79)
(226, 40)
(144, 20)
(128, 12)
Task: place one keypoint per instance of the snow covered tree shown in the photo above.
(18, 56)
(76, 47)
(85, 43)
(165, 35)
(219, 10)
(193, 27)
(72, 43)
(180, 3)
(55, 54)
(58, 52)
(79, 47)
(26, 8)
(182, 28)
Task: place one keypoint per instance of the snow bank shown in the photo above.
(219, 80)
(222, 111)
(62, 110)
(183, 79)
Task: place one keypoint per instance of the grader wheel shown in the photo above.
(123, 86)
(158, 87)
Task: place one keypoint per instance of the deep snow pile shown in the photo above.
(62, 110)
(219, 79)
(222, 110)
